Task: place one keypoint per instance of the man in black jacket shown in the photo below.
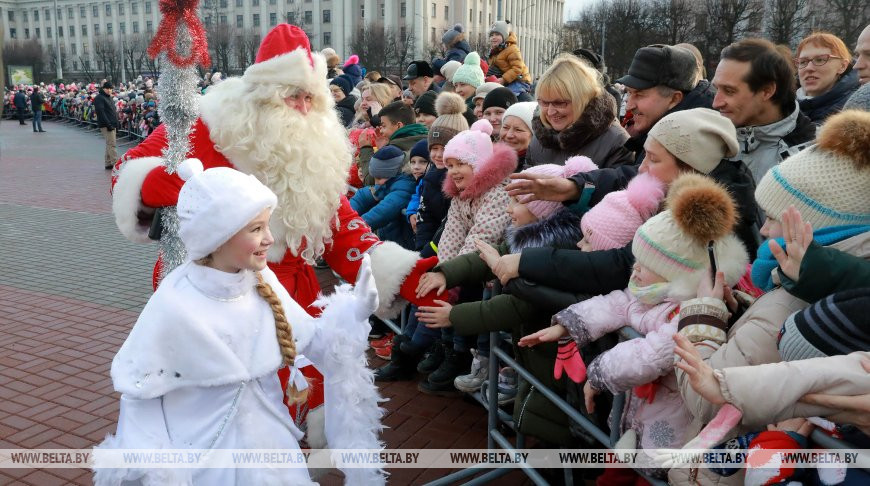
(36, 101)
(20, 101)
(107, 120)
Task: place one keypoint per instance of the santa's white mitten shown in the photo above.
(365, 291)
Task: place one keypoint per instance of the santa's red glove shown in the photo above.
(408, 290)
(160, 189)
(568, 359)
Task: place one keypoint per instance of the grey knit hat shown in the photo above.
(833, 326)
(450, 37)
(860, 99)
(502, 28)
(386, 162)
(450, 108)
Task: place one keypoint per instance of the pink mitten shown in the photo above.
(568, 359)
(725, 420)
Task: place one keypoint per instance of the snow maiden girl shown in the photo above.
(198, 370)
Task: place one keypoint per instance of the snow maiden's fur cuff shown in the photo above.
(127, 200)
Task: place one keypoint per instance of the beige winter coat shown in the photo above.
(751, 342)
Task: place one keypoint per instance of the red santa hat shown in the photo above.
(285, 58)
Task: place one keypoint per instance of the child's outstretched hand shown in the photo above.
(589, 393)
(431, 281)
(487, 253)
(435, 317)
(365, 291)
(700, 374)
(718, 290)
(798, 236)
(545, 335)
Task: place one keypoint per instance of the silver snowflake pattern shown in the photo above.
(661, 433)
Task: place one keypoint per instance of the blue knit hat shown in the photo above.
(386, 162)
(343, 82)
(421, 149)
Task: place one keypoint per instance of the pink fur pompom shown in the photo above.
(645, 193)
(482, 125)
(353, 59)
(577, 164)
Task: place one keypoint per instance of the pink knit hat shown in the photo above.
(612, 222)
(574, 165)
(472, 146)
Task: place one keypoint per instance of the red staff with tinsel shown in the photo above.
(180, 43)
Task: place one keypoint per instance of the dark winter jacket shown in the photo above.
(819, 108)
(432, 212)
(345, 109)
(701, 96)
(20, 100)
(457, 52)
(381, 208)
(36, 101)
(596, 134)
(533, 414)
(105, 108)
(831, 271)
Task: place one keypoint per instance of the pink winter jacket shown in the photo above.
(661, 423)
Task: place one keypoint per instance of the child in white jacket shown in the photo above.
(671, 253)
(198, 370)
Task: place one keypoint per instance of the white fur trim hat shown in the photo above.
(285, 59)
(215, 204)
(525, 111)
(700, 137)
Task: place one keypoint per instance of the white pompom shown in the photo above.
(189, 168)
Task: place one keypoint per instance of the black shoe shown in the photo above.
(321, 264)
(379, 329)
(440, 381)
(402, 366)
(42, 131)
(434, 358)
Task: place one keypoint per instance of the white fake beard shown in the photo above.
(304, 159)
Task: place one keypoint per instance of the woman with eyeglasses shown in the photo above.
(576, 116)
(825, 72)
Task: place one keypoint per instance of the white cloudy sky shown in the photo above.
(572, 8)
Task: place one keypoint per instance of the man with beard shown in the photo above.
(278, 123)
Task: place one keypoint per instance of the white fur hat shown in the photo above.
(215, 204)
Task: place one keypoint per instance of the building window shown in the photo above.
(273, 19)
(433, 35)
(69, 13)
(72, 31)
(74, 49)
(48, 32)
(123, 27)
(60, 32)
(240, 21)
(402, 32)
(148, 7)
(36, 15)
(327, 38)
(382, 10)
(109, 28)
(239, 3)
(38, 36)
(12, 33)
(362, 10)
(149, 26)
(446, 12)
(135, 25)
(11, 14)
(108, 10)
(84, 31)
(255, 3)
(308, 17)
(95, 11)
(134, 8)
(120, 9)
(327, 16)
(223, 20)
(223, 3)
(82, 12)
(272, 2)
(291, 18)
(403, 10)
(24, 15)
(47, 14)
(433, 10)
(256, 20)
(96, 29)
(27, 33)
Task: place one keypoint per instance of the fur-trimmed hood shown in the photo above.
(595, 120)
(490, 173)
(561, 231)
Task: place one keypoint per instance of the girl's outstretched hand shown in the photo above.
(797, 235)
(700, 374)
(365, 291)
(545, 335)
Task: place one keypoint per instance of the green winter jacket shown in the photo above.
(826, 270)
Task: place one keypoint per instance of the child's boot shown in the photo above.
(440, 382)
(402, 365)
(471, 382)
(434, 357)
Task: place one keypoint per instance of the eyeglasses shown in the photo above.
(559, 105)
(803, 62)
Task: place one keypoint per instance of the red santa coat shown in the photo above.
(140, 184)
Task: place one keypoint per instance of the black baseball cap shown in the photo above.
(661, 65)
(418, 69)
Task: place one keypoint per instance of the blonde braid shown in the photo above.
(285, 335)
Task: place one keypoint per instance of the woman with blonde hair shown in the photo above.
(824, 66)
(374, 96)
(576, 116)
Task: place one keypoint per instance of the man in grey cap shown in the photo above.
(419, 77)
(660, 80)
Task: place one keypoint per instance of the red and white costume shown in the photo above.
(303, 158)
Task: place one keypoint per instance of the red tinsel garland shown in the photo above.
(185, 11)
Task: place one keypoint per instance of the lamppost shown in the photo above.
(58, 60)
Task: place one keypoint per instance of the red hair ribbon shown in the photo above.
(185, 11)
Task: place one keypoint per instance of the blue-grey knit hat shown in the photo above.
(386, 162)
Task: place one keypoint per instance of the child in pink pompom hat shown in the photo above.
(612, 222)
